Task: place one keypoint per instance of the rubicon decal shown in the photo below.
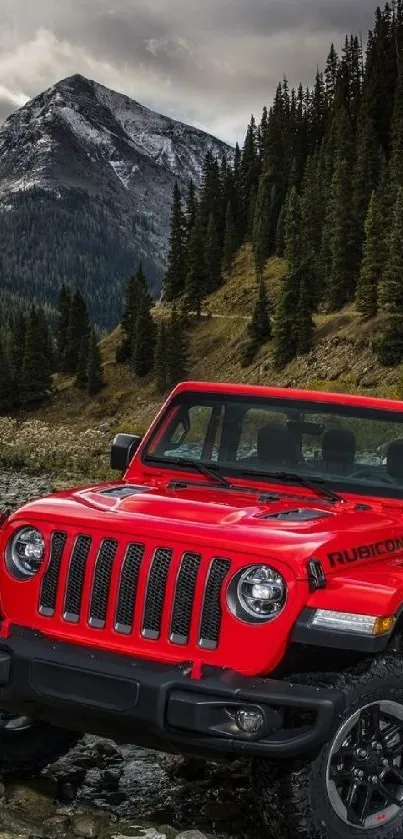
(387, 546)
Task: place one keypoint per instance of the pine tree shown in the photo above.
(342, 274)
(160, 358)
(390, 345)
(305, 326)
(286, 322)
(177, 349)
(7, 390)
(371, 266)
(63, 317)
(78, 328)
(17, 345)
(262, 244)
(213, 257)
(81, 379)
(230, 242)
(136, 290)
(144, 340)
(34, 380)
(280, 232)
(196, 280)
(175, 277)
(260, 327)
(95, 379)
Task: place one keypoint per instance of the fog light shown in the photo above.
(250, 722)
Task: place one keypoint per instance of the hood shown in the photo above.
(289, 526)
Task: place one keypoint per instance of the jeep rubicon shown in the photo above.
(239, 592)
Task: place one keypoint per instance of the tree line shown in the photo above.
(319, 181)
(31, 352)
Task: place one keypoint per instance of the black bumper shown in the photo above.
(160, 706)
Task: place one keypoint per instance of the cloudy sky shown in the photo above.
(207, 62)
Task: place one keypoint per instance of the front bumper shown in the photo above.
(160, 706)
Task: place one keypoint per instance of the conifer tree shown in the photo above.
(262, 244)
(7, 390)
(260, 327)
(144, 340)
(230, 241)
(17, 345)
(95, 379)
(286, 323)
(280, 232)
(160, 358)
(177, 349)
(342, 275)
(196, 280)
(81, 379)
(78, 328)
(175, 277)
(213, 257)
(63, 317)
(371, 265)
(34, 380)
(304, 325)
(390, 345)
(135, 291)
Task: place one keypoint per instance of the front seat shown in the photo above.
(276, 445)
(339, 448)
(394, 460)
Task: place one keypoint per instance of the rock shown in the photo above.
(35, 799)
(57, 825)
(88, 825)
(168, 831)
(191, 834)
(13, 835)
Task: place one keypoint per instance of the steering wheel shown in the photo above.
(371, 474)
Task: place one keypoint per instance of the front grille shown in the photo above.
(75, 580)
(211, 614)
(50, 581)
(136, 590)
(101, 583)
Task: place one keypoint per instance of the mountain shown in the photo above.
(86, 182)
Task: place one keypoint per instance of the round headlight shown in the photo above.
(257, 593)
(25, 553)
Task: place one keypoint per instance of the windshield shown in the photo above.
(351, 448)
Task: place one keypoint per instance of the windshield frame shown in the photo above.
(335, 483)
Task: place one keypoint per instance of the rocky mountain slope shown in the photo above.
(86, 180)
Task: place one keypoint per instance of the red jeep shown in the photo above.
(239, 592)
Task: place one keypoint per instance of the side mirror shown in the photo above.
(123, 450)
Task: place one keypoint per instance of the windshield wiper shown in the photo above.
(315, 484)
(196, 465)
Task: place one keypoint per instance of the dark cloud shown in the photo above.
(211, 62)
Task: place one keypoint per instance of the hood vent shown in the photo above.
(298, 514)
(123, 491)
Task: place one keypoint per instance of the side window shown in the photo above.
(187, 436)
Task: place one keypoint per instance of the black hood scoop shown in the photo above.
(297, 514)
(123, 491)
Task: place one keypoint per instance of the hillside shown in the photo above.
(86, 183)
(342, 359)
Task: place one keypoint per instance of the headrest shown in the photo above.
(338, 446)
(394, 459)
(277, 444)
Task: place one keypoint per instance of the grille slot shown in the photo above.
(128, 588)
(75, 582)
(184, 597)
(211, 614)
(154, 603)
(101, 583)
(47, 598)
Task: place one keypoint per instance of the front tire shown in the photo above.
(27, 746)
(352, 788)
